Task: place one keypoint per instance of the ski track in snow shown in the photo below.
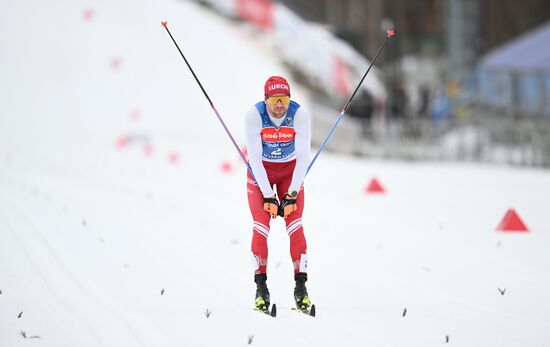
(48, 264)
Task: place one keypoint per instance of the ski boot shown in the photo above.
(300, 292)
(261, 302)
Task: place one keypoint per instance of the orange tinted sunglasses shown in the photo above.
(273, 100)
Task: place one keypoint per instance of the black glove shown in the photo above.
(287, 206)
(271, 206)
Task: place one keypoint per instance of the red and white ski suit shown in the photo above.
(284, 173)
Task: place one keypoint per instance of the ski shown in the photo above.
(272, 312)
(309, 312)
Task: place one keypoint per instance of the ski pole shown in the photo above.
(389, 33)
(165, 25)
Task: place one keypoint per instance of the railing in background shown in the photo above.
(483, 137)
(517, 93)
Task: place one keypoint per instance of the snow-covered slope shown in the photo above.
(105, 245)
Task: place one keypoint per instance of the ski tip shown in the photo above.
(273, 311)
(164, 24)
(312, 311)
(390, 32)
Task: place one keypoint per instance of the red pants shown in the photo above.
(279, 174)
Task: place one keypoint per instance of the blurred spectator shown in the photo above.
(362, 108)
(441, 109)
(397, 102)
(424, 100)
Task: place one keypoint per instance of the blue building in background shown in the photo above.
(515, 77)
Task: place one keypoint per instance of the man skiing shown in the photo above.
(278, 138)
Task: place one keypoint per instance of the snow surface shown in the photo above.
(105, 246)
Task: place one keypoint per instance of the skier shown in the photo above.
(278, 138)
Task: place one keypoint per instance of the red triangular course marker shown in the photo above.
(512, 222)
(121, 141)
(226, 166)
(173, 157)
(88, 14)
(374, 187)
(148, 149)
